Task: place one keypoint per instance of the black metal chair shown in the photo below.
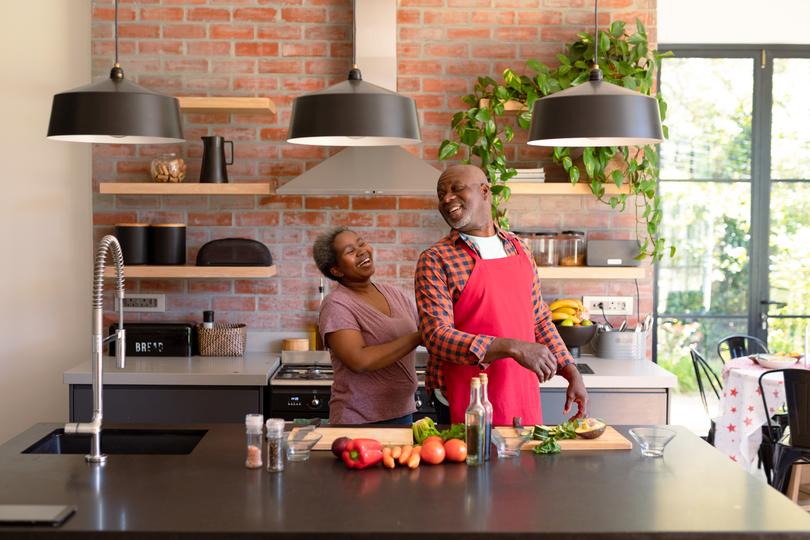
(737, 345)
(794, 444)
(705, 375)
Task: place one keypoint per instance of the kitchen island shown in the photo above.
(693, 492)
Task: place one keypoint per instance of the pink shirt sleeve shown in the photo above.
(336, 315)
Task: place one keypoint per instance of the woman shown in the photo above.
(371, 332)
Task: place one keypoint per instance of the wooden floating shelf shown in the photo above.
(591, 272)
(245, 105)
(561, 188)
(194, 188)
(510, 106)
(194, 272)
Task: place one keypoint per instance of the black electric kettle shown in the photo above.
(213, 169)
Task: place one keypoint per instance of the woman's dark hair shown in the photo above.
(323, 251)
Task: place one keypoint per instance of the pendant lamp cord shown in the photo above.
(596, 73)
(354, 73)
(116, 32)
(116, 73)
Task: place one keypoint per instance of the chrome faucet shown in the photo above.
(108, 245)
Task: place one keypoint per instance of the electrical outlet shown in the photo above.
(612, 305)
(154, 303)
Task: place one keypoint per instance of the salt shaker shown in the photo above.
(275, 444)
(253, 427)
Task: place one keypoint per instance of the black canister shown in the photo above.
(167, 243)
(133, 238)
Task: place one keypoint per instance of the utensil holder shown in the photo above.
(627, 345)
(222, 340)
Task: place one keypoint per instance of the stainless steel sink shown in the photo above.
(121, 441)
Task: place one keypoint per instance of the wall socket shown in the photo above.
(147, 303)
(613, 305)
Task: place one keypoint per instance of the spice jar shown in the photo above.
(572, 248)
(544, 249)
(168, 168)
(253, 427)
(275, 444)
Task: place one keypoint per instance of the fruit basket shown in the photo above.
(573, 325)
(575, 337)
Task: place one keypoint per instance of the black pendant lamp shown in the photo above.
(595, 113)
(354, 113)
(115, 111)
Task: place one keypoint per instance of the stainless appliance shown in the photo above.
(301, 387)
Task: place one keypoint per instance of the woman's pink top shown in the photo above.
(372, 396)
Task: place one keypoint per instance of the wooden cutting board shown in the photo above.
(610, 440)
(393, 436)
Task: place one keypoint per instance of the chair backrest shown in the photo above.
(738, 345)
(797, 399)
(705, 376)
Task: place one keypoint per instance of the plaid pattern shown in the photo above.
(441, 274)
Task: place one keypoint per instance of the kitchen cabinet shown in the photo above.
(616, 406)
(175, 404)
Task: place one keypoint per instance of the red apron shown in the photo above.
(497, 301)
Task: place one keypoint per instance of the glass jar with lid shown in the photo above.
(168, 168)
(572, 245)
(544, 249)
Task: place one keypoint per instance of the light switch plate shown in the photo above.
(145, 303)
(612, 305)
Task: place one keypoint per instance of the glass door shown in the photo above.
(784, 309)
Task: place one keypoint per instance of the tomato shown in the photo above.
(432, 438)
(456, 450)
(432, 452)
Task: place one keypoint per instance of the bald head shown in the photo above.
(465, 201)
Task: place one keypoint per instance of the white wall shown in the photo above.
(734, 21)
(45, 212)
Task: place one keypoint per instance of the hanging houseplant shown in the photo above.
(627, 61)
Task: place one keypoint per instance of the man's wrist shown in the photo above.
(570, 372)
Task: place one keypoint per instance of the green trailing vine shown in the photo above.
(626, 60)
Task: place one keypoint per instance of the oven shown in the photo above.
(301, 388)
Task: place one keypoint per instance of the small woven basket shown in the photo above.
(222, 340)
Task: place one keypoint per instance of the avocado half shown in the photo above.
(590, 428)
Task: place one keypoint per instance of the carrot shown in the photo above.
(396, 452)
(413, 460)
(406, 453)
(388, 461)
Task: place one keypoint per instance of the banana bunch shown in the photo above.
(569, 312)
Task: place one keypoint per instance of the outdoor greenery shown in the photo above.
(626, 60)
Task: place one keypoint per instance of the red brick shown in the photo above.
(493, 17)
(419, 236)
(327, 66)
(111, 218)
(495, 51)
(184, 31)
(429, 101)
(303, 152)
(278, 32)
(516, 34)
(162, 14)
(586, 18)
(465, 34)
(186, 65)
(138, 30)
(282, 201)
(408, 84)
(206, 84)
(205, 286)
(187, 303)
(186, 201)
(467, 68)
(137, 201)
(108, 14)
(421, 33)
(251, 48)
(303, 84)
(470, 3)
(398, 220)
(254, 83)
(408, 16)
(445, 17)
(421, 3)
(210, 218)
(384, 202)
(256, 286)
(280, 169)
(208, 14)
(449, 85)
(304, 218)
(304, 15)
(273, 134)
(418, 203)
(233, 66)
(351, 219)
(208, 48)
(234, 303)
(328, 32)
(340, 50)
(259, 219)
(281, 66)
(231, 31)
(254, 14)
(160, 47)
(539, 17)
(303, 49)
(517, 3)
(162, 286)
(452, 51)
(418, 67)
(331, 202)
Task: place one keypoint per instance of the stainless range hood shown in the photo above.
(370, 169)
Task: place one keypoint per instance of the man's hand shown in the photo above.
(533, 356)
(576, 392)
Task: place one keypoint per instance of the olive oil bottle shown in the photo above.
(475, 425)
(488, 419)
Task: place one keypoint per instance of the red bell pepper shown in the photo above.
(362, 453)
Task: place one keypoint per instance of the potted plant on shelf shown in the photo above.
(626, 60)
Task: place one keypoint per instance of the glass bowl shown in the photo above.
(652, 440)
(509, 441)
(298, 449)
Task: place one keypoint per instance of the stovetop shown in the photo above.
(315, 374)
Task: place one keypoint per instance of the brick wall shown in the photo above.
(288, 47)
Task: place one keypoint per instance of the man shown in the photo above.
(480, 308)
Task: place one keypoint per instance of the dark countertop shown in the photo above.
(692, 492)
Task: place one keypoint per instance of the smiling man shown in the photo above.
(480, 309)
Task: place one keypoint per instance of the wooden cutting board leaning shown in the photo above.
(388, 436)
(609, 440)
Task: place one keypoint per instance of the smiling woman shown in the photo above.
(371, 332)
